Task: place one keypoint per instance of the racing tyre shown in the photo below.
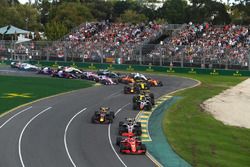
(138, 124)
(134, 99)
(149, 107)
(121, 123)
(160, 83)
(112, 114)
(118, 141)
(134, 106)
(143, 147)
(138, 132)
(111, 120)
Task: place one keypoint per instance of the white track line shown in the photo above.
(15, 116)
(21, 135)
(110, 141)
(65, 136)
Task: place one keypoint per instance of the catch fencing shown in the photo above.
(145, 54)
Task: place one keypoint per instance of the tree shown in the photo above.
(174, 11)
(208, 11)
(101, 10)
(71, 14)
(44, 7)
(55, 30)
(121, 6)
(130, 16)
(30, 18)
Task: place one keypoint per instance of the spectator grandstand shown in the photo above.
(198, 45)
(207, 44)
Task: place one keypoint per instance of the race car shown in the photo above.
(142, 104)
(63, 74)
(131, 144)
(15, 64)
(90, 76)
(142, 85)
(73, 71)
(140, 77)
(106, 80)
(154, 82)
(45, 71)
(130, 126)
(147, 94)
(27, 67)
(131, 88)
(103, 71)
(103, 116)
(126, 79)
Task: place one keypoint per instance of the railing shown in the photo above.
(162, 55)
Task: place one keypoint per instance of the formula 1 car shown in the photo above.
(103, 71)
(103, 116)
(131, 89)
(154, 82)
(45, 71)
(130, 126)
(126, 79)
(131, 145)
(138, 76)
(73, 71)
(142, 104)
(63, 74)
(15, 64)
(147, 94)
(142, 85)
(107, 81)
(24, 66)
(90, 76)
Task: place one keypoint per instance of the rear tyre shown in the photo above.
(118, 141)
(112, 114)
(134, 106)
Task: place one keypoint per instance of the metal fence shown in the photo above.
(146, 54)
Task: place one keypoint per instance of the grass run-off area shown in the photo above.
(15, 91)
(200, 139)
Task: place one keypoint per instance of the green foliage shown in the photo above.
(101, 10)
(174, 11)
(133, 17)
(71, 14)
(197, 136)
(55, 30)
(208, 11)
(17, 15)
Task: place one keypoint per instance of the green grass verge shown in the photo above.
(35, 87)
(196, 136)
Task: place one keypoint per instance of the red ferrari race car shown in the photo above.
(131, 144)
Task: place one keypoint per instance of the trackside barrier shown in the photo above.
(147, 68)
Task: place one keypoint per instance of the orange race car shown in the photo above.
(154, 82)
(126, 79)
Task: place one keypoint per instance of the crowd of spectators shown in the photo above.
(109, 40)
(209, 43)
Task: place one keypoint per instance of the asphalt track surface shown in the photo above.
(57, 132)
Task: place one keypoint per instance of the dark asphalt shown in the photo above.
(42, 142)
